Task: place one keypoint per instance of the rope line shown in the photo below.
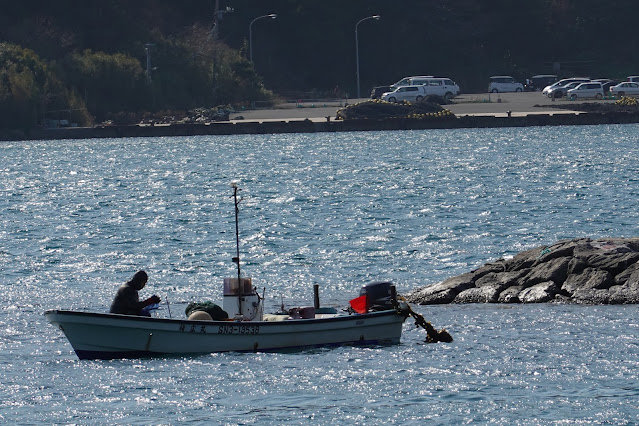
(432, 335)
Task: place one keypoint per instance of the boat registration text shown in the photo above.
(238, 329)
(223, 329)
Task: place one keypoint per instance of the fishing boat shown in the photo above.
(375, 317)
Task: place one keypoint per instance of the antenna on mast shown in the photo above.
(241, 300)
(236, 259)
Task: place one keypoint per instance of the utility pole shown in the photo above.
(147, 48)
(217, 17)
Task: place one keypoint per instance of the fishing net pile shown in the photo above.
(216, 312)
(378, 109)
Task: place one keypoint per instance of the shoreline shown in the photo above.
(309, 126)
(471, 111)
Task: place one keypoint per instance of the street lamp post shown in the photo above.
(272, 16)
(357, 48)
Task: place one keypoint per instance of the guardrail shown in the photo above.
(301, 103)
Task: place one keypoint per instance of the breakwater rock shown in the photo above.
(602, 271)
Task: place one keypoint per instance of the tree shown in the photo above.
(109, 83)
(28, 89)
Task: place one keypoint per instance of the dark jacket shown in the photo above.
(127, 301)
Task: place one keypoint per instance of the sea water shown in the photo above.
(79, 217)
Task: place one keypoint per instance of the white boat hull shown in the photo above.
(109, 336)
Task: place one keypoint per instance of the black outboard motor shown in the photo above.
(378, 295)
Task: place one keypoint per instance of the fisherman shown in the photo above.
(127, 301)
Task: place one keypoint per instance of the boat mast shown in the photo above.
(236, 259)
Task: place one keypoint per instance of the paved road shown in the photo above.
(472, 104)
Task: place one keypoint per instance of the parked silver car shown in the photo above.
(562, 83)
(626, 88)
(592, 89)
(560, 91)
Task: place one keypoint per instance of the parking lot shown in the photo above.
(496, 104)
(521, 103)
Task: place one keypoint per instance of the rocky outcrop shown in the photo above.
(603, 271)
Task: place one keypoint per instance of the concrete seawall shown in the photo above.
(309, 126)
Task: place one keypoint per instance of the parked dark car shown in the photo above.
(537, 82)
(378, 91)
(607, 83)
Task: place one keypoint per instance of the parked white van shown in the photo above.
(504, 83)
(441, 86)
(444, 87)
(408, 81)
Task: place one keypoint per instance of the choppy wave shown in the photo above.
(79, 217)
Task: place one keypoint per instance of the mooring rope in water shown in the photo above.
(168, 305)
(432, 334)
